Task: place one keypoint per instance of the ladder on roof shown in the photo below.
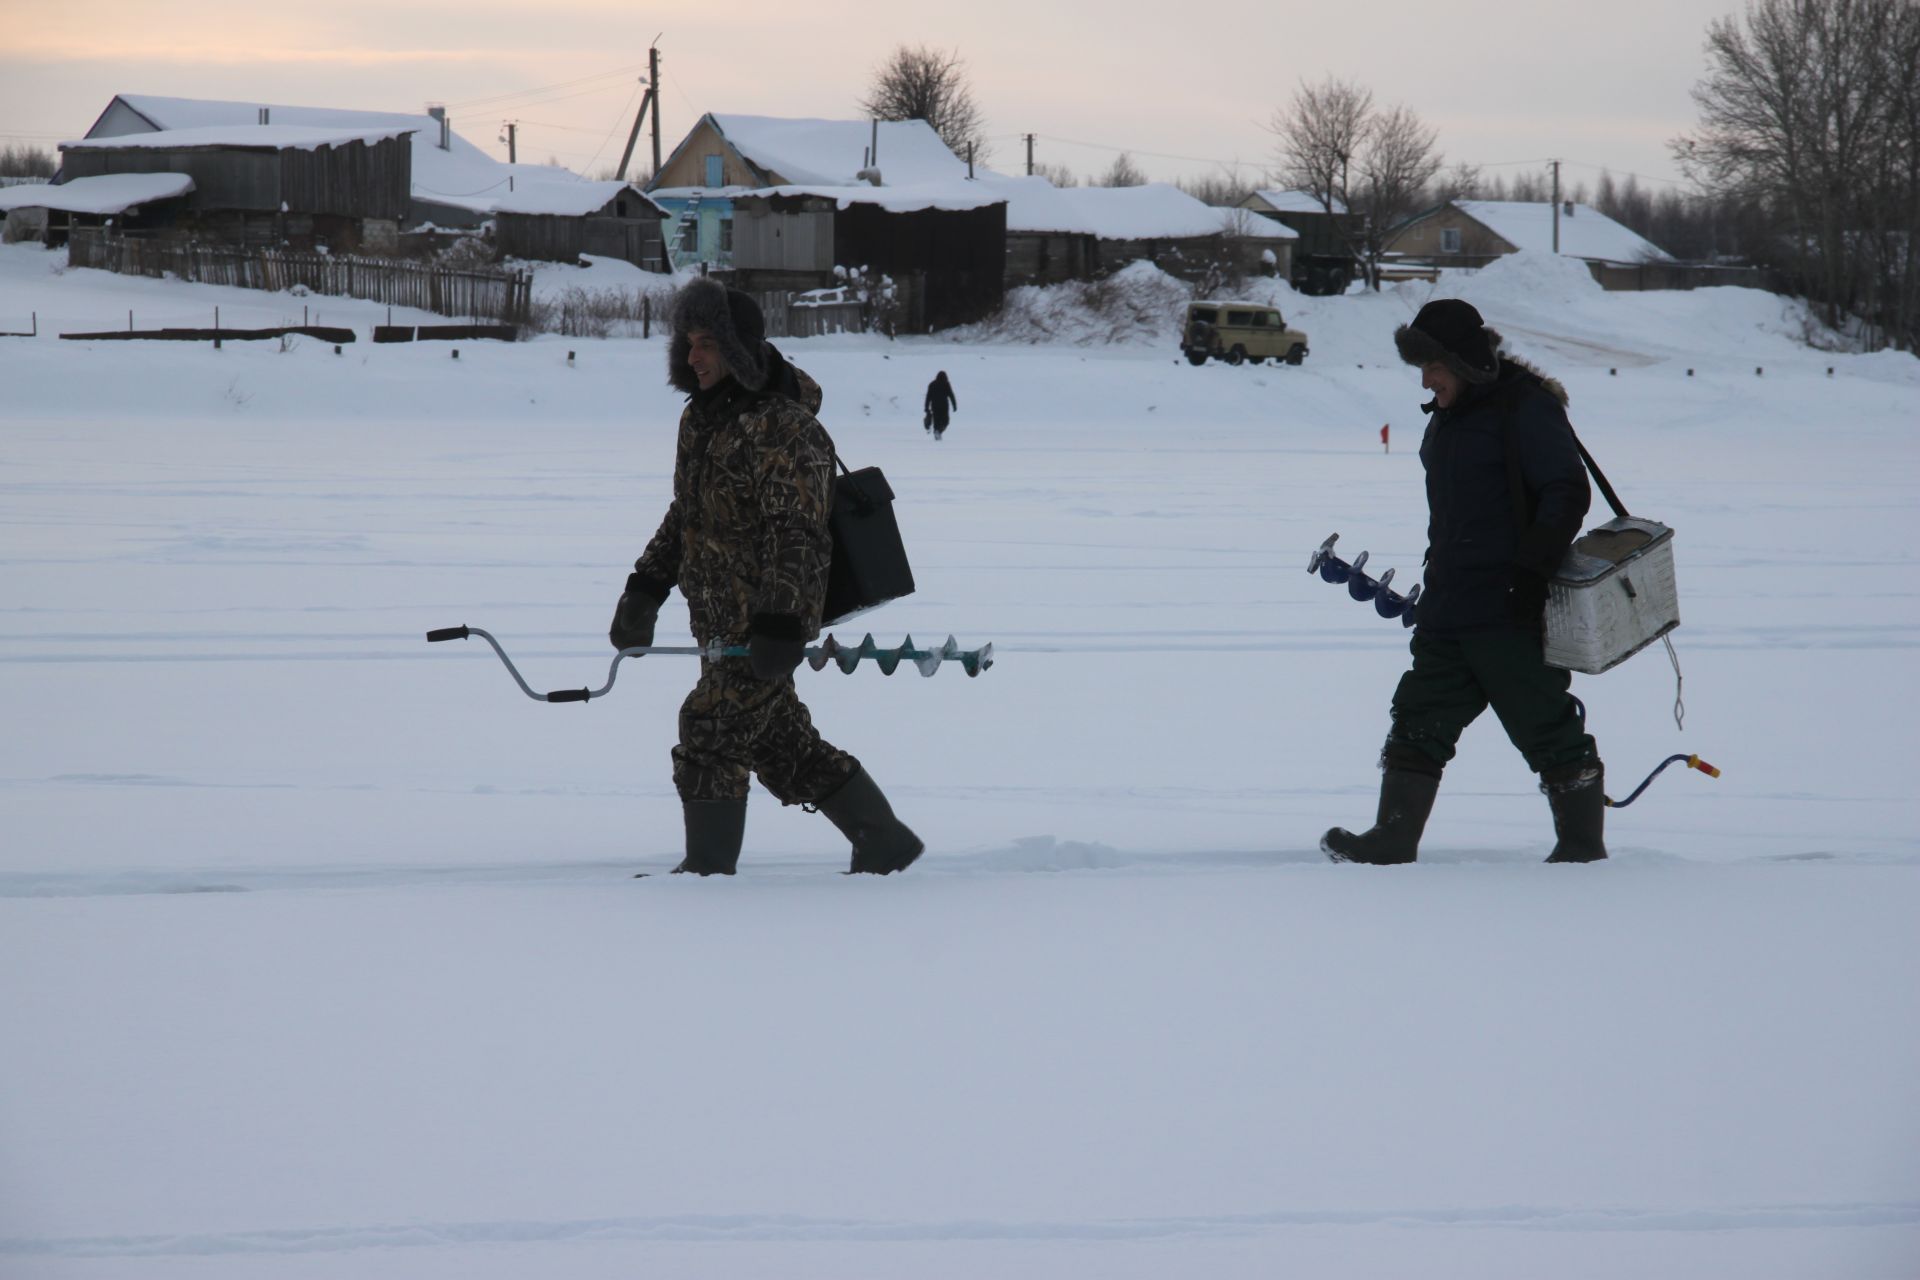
(689, 216)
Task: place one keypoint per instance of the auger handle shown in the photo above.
(447, 633)
(570, 695)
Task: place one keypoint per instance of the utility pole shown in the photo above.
(1556, 204)
(653, 79)
(650, 101)
(1029, 156)
(513, 155)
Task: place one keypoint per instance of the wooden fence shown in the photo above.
(790, 315)
(505, 297)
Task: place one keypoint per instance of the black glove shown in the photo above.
(1527, 598)
(634, 616)
(775, 645)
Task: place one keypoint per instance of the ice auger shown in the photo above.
(1387, 602)
(846, 657)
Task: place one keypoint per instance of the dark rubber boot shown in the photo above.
(1578, 795)
(881, 842)
(715, 829)
(1406, 798)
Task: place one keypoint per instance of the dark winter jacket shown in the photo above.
(746, 538)
(940, 399)
(1477, 553)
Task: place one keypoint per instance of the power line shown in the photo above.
(1157, 155)
(617, 121)
(547, 124)
(529, 93)
(541, 102)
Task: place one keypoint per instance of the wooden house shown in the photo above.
(797, 205)
(1472, 233)
(267, 184)
(452, 186)
(1322, 261)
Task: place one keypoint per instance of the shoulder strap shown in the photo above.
(1516, 480)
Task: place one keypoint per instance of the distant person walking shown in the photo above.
(940, 402)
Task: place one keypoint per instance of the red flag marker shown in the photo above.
(1385, 446)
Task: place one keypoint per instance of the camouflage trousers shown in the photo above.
(733, 724)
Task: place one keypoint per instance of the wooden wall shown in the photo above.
(1422, 239)
(958, 256)
(550, 238)
(354, 179)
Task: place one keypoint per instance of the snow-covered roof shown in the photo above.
(830, 153)
(278, 137)
(1151, 211)
(705, 193)
(463, 175)
(106, 194)
(569, 199)
(1297, 202)
(1585, 233)
(959, 195)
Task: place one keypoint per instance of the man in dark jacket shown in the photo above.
(940, 401)
(1506, 496)
(746, 540)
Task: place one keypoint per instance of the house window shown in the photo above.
(689, 235)
(726, 235)
(1449, 239)
(716, 171)
(620, 208)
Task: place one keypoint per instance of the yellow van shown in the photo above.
(1237, 332)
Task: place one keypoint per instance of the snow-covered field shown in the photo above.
(321, 958)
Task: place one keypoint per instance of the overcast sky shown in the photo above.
(1187, 87)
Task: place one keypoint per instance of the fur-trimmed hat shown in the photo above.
(735, 322)
(1451, 331)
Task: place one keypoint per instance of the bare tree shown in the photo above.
(1123, 172)
(1530, 187)
(26, 161)
(922, 83)
(1367, 166)
(1462, 182)
(1058, 174)
(1810, 110)
(1224, 188)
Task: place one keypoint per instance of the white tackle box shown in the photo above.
(1612, 596)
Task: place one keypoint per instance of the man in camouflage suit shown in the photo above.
(747, 542)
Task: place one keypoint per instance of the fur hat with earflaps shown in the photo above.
(735, 322)
(1451, 332)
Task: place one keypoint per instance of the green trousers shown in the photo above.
(1456, 677)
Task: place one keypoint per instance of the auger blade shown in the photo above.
(927, 661)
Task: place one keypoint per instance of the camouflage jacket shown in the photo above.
(746, 534)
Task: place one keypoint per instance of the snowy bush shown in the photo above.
(1138, 304)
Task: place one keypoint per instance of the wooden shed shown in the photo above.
(945, 251)
(563, 222)
(1083, 233)
(270, 183)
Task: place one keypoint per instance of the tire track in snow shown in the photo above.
(770, 1228)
